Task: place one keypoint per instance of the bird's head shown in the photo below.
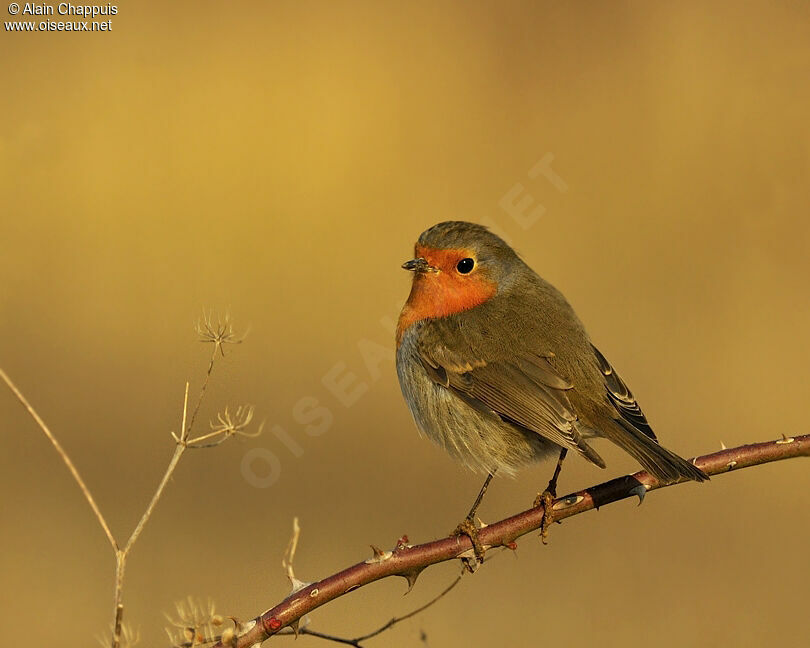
(457, 266)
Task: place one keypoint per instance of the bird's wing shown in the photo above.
(622, 398)
(524, 390)
(635, 434)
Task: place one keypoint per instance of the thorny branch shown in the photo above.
(357, 641)
(297, 585)
(196, 624)
(409, 561)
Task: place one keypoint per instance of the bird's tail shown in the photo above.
(665, 466)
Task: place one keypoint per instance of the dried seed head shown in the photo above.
(218, 332)
(194, 622)
(229, 423)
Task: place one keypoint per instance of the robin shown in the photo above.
(497, 368)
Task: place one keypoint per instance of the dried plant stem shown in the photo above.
(185, 431)
(408, 562)
(122, 554)
(64, 455)
(179, 449)
(118, 610)
(183, 442)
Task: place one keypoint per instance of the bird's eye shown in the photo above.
(465, 266)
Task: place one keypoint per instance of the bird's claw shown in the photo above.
(639, 491)
(468, 528)
(546, 499)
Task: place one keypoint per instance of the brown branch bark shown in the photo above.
(408, 562)
(357, 641)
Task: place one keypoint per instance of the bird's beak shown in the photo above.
(419, 265)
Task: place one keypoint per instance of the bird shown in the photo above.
(496, 367)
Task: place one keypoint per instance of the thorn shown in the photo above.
(470, 561)
(379, 555)
(411, 575)
(294, 626)
(785, 440)
(723, 445)
(297, 585)
(731, 464)
(639, 491)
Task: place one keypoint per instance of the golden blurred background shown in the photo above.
(277, 161)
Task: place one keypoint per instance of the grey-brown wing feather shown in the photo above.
(636, 435)
(525, 391)
(622, 398)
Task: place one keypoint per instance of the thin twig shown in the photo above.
(122, 554)
(407, 561)
(186, 431)
(287, 632)
(289, 553)
(422, 608)
(179, 449)
(357, 641)
(60, 450)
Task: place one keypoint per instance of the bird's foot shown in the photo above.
(470, 529)
(546, 499)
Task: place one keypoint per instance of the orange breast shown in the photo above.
(441, 294)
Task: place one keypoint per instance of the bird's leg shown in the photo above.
(468, 527)
(480, 497)
(546, 498)
(552, 484)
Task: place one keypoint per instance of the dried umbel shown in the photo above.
(196, 623)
